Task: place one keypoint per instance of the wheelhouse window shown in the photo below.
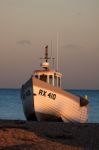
(36, 76)
(50, 79)
(58, 81)
(43, 77)
(55, 80)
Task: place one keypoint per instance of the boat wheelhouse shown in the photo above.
(50, 76)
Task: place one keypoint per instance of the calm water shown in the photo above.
(11, 105)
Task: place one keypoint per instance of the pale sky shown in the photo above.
(26, 26)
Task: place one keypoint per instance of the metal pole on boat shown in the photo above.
(46, 53)
(52, 58)
(57, 49)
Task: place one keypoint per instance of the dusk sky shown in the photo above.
(27, 26)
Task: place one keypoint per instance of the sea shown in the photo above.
(11, 104)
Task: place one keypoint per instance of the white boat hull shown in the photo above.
(44, 102)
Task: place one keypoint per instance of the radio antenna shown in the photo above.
(57, 50)
(52, 58)
(51, 48)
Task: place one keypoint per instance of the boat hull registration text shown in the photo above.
(48, 94)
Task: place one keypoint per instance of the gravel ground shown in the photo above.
(17, 135)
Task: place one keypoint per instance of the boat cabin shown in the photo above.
(50, 76)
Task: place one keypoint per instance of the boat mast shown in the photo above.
(46, 54)
(45, 64)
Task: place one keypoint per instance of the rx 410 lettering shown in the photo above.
(49, 95)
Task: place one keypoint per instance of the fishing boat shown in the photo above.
(43, 98)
